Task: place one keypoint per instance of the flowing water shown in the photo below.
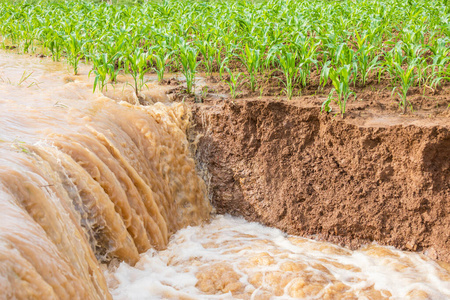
(87, 181)
(84, 180)
(233, 259)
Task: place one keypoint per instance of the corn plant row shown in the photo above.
(343, 43)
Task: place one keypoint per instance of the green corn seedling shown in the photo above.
(207, 51)
(188, 58)
(324, 74)
(104, 66)
(251, 58)
(160, 57)
(341, 80)
(73, 48)
(365, 62)
(233, 83)
(290, 68)
(100, 70)
(407, 79)
(136, 63)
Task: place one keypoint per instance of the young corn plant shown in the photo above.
(221, 59)
(100, 70)
(160, 57)
(391, 59)
(73, 48)
(104, 66)
(438, 72)
(207, 50)
(341, 86)
(251, 58)
(27, 37)
(136, 63)
(407, 78)
(188, 59)
(438, 69)
(288, 65)
(54, 42)
(306, 48)
(324, 75)
(345, 56)
(223, 66)
(365, 62)
(234, 82)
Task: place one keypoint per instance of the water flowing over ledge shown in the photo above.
(85, 180)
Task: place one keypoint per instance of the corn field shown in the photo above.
(343, 43)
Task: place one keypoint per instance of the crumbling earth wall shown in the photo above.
(308, 173)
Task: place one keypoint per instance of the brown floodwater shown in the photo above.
(92, 179)
(85, 179)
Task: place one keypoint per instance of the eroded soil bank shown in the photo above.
(350, 181)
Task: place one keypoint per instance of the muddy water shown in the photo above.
(233, 259)
(84, 179)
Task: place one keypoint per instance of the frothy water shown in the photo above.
(234, 259)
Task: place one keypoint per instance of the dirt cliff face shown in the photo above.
(350, 181)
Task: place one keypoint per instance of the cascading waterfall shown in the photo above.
(84, 181)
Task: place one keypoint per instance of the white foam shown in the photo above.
(242, 249)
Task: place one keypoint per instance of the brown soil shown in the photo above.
(373, 176)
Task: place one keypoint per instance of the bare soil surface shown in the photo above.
(375, 175)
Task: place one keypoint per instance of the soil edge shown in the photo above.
(307, 173)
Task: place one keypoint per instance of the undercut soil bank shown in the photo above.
(352, 181)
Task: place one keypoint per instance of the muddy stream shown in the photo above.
(100, 199)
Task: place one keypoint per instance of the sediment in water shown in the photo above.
(85, 180)
(345, 181)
